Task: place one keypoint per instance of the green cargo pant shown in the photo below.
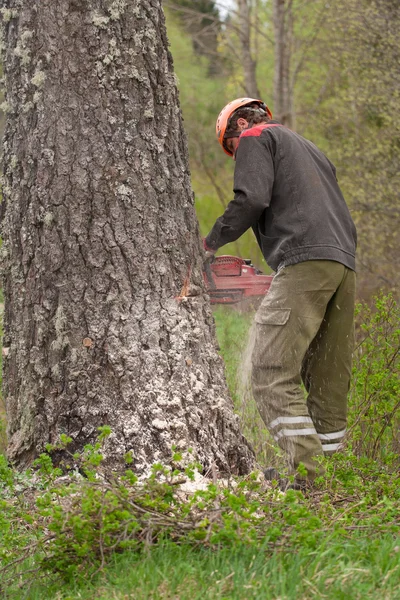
(304, 334)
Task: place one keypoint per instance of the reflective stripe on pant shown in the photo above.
(304, 333)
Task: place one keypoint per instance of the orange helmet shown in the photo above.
(227, 112)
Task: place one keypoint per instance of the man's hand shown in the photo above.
(207, 251)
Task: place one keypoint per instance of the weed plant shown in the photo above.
(374, 415)
(66, 528)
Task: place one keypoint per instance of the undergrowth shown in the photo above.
(374, 402)
(69, 527)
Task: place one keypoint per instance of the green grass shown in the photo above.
(349, 569)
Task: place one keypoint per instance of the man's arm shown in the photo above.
(253, 182)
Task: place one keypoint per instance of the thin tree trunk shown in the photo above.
(283, 92)
(106, 321)
(248, 63)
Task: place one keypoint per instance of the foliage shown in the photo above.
(68, 527)
(200, 18)
(375, 393)
(344, 62)
(354, 96)
(202, 97)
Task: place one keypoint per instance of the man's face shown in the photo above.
(232, 144)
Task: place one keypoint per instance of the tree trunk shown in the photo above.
(249, 64)
(101, 242)
(283, 92)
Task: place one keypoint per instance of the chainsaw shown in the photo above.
(230, 279)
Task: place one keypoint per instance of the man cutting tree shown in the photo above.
(286, 190)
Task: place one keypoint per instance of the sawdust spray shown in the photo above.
(251, 422)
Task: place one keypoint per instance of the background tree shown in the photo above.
(249, 62)
(106, 321)
(283, 30)
(200, 19)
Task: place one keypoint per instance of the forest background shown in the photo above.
(330, 72)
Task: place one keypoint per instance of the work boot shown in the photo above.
(271, 473)
(300, 485)
(284, 483)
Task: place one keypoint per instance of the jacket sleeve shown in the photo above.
(253, 182)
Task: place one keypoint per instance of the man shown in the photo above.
(286, 191)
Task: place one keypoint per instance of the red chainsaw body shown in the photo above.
(230, 279)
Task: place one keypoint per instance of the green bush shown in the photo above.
(69, 526)
(374, 402)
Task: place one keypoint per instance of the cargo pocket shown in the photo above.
(272, 338)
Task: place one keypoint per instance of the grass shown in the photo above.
(353, 569)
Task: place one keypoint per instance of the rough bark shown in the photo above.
(106, 320)
(248, 63)
(283, 88)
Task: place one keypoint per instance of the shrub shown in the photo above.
(374, 402)
(69, 526)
